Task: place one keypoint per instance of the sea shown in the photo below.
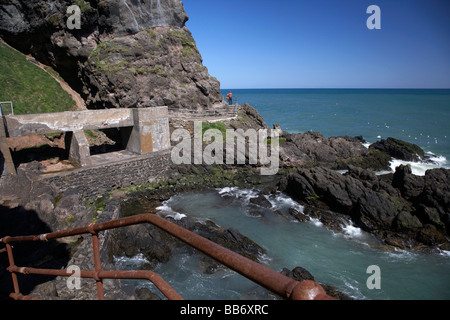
(344, 260)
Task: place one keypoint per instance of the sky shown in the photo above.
(323, 43)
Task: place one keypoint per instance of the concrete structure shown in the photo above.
(142, 130)
(4, 149)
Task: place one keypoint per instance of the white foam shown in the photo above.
(444, 253)
(439, 160)
(227, 190)
(238, 193)
(264, 258)
(316, 222)
(169, 212)
(177, 216)
(136, 260)
(419, 168)
(164, 207)
(352, 231)
(283, 200)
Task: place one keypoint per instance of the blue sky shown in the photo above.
(323, 43)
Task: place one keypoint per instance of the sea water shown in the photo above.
(419, 116)
(338, 259)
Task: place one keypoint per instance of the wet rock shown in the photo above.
(342, 194)
(146, 294)
(261, 201)
(298, 273)
(430, 236)
(298, 215)
(144, 239)
(301, 274)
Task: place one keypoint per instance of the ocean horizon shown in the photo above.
(418, 116)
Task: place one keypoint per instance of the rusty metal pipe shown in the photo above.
(97, 266)
(260, 274)
(159, 282)
(19, 296)
(11, 263)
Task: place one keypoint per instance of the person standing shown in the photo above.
(230, 98)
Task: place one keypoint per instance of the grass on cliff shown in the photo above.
(31, 89)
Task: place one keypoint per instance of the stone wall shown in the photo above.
(97, 180)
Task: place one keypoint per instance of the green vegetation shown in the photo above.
(31, 89)
(159, 70)
(84, 5)
(107, 47)
(269, 140)
(180, 36)
(214, 125)
(189, 46)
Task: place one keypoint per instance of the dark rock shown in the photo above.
(301, 274)
(430, 216)
(331, 220)
(313, 149)
(146, 239)
(298, 273)
(342, 194)
(231, 239)
(405, 220)
(436, 192)
(368, 177)
(146, 294)
(298, 215)
(399, 149)
(430, 236)
(261, 201)
(410, 186)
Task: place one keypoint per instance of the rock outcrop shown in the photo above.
(399, 149)
(406, 211)
(125, 54)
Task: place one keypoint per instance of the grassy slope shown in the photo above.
(31, 89)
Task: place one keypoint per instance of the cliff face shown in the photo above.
(127, 53)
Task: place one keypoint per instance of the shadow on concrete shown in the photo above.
(2, 164)
(48, 255)
(40, 153)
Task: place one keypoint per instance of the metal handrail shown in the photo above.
(266, 277)
(4, 102)
(229, 111)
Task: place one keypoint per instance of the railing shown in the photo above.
(5, 102)
(229, 111)
(266, 277)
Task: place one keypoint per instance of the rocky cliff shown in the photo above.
(125, 54)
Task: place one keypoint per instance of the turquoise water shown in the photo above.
(417, 116)
(338, 259)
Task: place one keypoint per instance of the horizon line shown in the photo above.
(349, 88)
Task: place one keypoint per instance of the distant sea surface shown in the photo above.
(419, 116)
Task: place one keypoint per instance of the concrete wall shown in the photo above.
(43, 123)
(143, 130)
